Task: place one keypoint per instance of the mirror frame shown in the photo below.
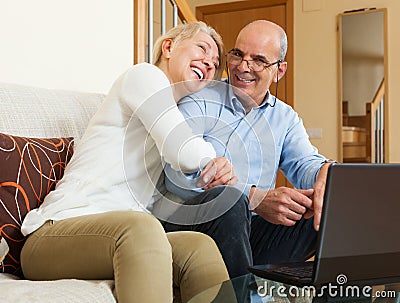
(340, 78)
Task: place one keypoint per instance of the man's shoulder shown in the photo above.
(212, 96)
(215, 91)
(283, 107)
(281, 113)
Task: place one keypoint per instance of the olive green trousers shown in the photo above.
(147, 264)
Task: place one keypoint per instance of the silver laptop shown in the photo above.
(358, 240)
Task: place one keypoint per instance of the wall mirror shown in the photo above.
(363, 81)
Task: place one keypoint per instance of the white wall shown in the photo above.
(74, 44)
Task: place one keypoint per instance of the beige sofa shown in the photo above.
(43, 113)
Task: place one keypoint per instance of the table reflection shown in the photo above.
(251, 289)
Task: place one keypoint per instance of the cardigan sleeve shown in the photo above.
(147, 92)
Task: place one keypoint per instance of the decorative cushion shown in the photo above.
(29, 170)
(46, 113)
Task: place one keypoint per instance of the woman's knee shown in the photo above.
(138, 220)
(197, 263)
(193, 249)
(205, 246)
(140, 229)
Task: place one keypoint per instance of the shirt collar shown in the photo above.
(268, 100)
(234, 105)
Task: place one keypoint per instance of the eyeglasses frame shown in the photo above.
(265, 65)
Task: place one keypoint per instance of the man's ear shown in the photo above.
(166, 48)
(282, 66)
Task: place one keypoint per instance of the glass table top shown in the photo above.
(252, 289)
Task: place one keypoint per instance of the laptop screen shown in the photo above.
(359, 228)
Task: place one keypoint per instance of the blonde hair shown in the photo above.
(187, 31)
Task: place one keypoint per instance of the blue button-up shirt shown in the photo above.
(257, 143)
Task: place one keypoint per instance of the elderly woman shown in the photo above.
(94, 225)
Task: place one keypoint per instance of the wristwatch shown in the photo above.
(329, 161)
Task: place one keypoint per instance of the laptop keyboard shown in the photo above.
(301, 271)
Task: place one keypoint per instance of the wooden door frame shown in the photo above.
(253, 4)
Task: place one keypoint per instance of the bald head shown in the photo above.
(264, 30)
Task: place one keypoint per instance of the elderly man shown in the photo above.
(259, 134)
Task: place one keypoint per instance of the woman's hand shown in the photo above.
(218, 171)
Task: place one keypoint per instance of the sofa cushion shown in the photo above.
(58, 291)
(29, 170)
(46, 113)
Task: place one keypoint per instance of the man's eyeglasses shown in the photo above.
(234, 57)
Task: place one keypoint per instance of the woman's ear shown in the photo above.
(166, 48)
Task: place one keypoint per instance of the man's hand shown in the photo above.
(318, 198)
(282, 205)
(218, 171)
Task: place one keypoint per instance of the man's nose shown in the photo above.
(244, 66)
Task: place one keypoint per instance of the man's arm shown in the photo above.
(302, 165)
(300, 161)
(285, 205)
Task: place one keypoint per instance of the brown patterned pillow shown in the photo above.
(29, 170)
